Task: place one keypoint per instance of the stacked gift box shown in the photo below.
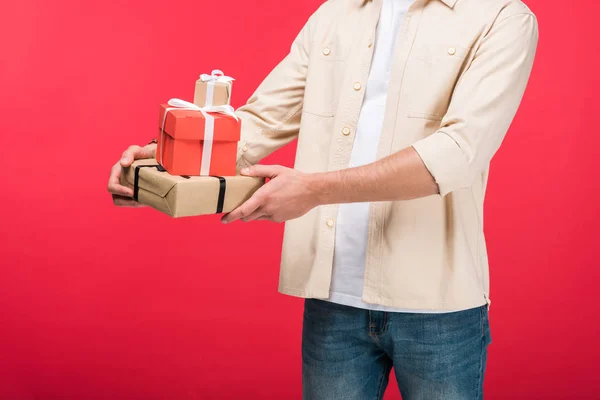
(195, 168)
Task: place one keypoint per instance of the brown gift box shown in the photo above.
(181, 196)
(213, 90)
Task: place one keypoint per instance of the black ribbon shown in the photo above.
(222, 188)
(136, 187)
(136, 177)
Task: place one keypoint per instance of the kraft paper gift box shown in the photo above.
(180, 196)
(213, 89)
(197, 141)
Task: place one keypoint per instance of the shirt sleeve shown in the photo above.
(271, 117)
(483, 105)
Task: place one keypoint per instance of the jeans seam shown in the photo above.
(372, 333)
(481, 318)
(385, 323)
(480, 377)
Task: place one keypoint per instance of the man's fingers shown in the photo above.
(135, 153)
(114, 184)
(122, 201)
(258, 214)
(129, 155)
(244, 210)
(117, 189)
(265, 171)
(263, 218)
(122, 195)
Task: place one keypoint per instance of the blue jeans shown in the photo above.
(347, 353)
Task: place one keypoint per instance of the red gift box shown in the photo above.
(185, 146)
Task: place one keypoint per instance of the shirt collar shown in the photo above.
(449, 3)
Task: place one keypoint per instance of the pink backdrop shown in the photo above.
(104, 303)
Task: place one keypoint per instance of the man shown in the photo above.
(398, 107)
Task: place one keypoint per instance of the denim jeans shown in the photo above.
(348, 353)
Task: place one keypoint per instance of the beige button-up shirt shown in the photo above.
(458, 76)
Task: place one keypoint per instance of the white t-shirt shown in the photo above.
(353, 219)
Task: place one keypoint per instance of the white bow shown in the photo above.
(178, 104)
(209, 127)
(210, 80)
(216, 75)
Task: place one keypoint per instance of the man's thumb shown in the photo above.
(265, 171)
(135, 153)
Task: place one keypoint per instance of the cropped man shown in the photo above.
(398, 107)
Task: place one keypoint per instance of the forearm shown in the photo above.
(400, 176)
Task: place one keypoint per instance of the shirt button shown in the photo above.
(357, 86)
(326, 51)
(370, 43)
(329, 222)
(245, 148)
(451, 51)
(346, 131)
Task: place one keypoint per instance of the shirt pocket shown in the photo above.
(323, 81)
(433, 70)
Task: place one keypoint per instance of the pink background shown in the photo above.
(104, 303)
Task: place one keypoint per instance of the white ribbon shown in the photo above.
(215, 76)
(209, 127)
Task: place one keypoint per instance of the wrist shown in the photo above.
(322, 187)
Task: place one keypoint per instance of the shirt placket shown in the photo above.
(346, 120)
(378, 211)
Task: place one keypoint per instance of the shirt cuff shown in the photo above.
(241, 161)
(445, 161)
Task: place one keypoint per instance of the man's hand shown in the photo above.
(123, 196)
(288, 195)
